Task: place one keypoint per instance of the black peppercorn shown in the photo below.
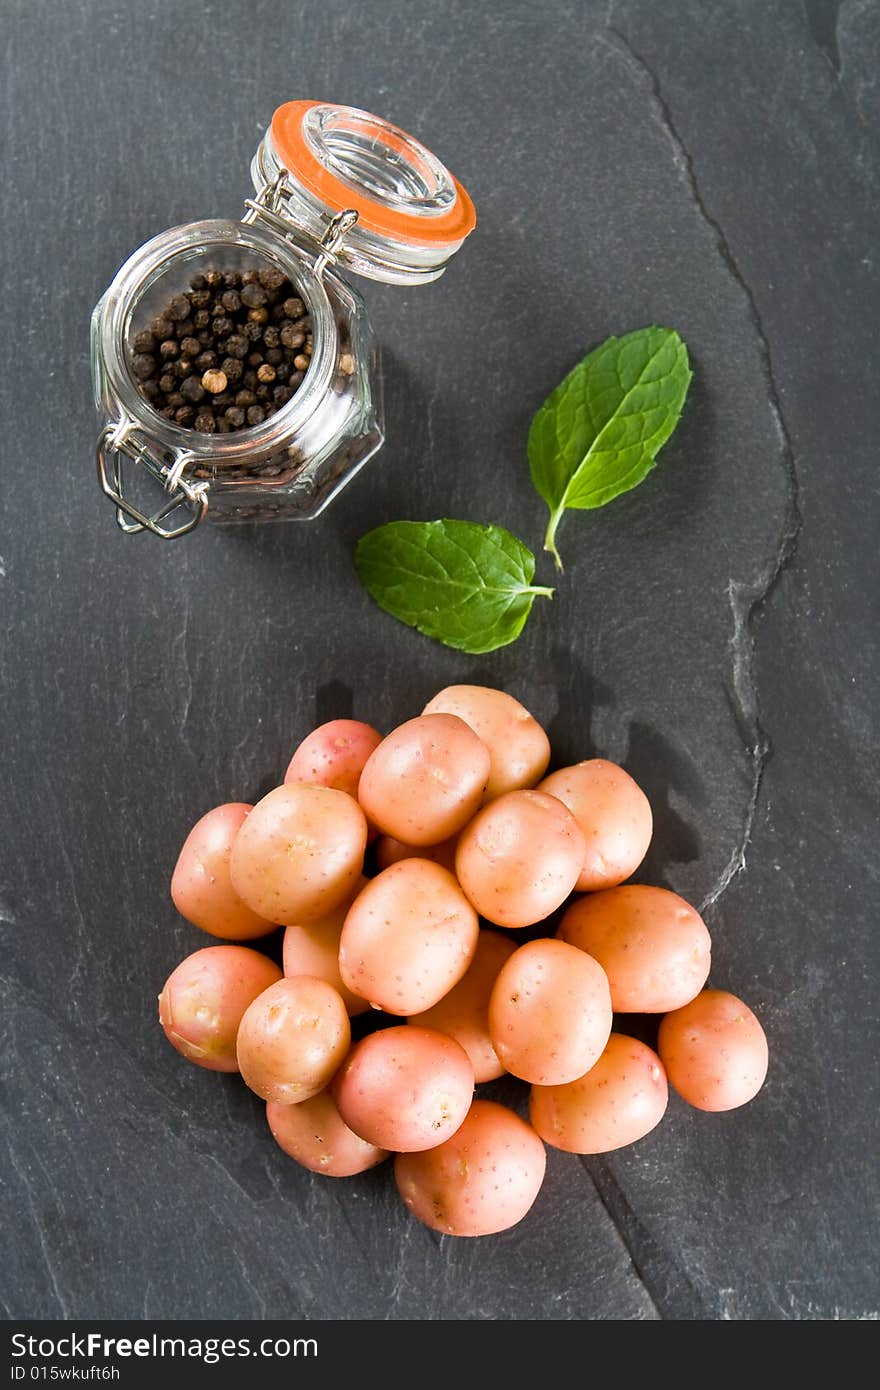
(143, 364)
(232, 279)
(271, 279)
(281, 395)
(258, 315)
(250, 277)
(176, 399)
(245, 398)
(222, 327)
(190, 347)
(293, 308)
(237, 345)
(166, 383)
(291, 336)
(236, 416)
(185, 415)
(184, 329)
(192, 390)
(144, 342)
(149, 389)
(255, 415)
(213, 278)
(161, 327)
(169, 349)
(178, 308)
(198, 282)
(254, 296)
(205, 360)
(271, 337)
(274, 356)
(232, 369)
(253, 332)
(231, 301)
(201, 319)
(205, 422)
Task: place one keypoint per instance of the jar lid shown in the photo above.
(413, 214)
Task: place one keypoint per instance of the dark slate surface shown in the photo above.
(708, 165)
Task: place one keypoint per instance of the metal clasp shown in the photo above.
(266, 206)
(120, 440)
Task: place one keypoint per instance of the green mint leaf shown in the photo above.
(599, 432)
(467, 585)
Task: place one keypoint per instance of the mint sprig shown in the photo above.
(598, 434)
(466, 585)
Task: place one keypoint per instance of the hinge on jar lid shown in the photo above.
(120, 439)
(265, 208)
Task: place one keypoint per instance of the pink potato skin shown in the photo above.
(201, 888)
(549, 1012)
(313, 949)
(425, 780)
(481, 1181)
(519, 858)
(333, 755)
(404, 1089)
(300, 853)
(619, 1100)
(408, 937)
(653, 946)
(463, 1013)
(316, 1136)
(204, 1000)
(614, 815)
(390, 851)
(714, 1051)
(292, 1039)
(518, 747)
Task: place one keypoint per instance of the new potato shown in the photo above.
(549, 1012)
(300, 853)
(404, 1088)
(619, 1100)
(408, 937)
(519, 858)
(714, 1051)
(519, 750)
(292, 1039)
(312, 948)
(334, 754)
(614, 815)
(463, 1013)
(425, 780)
(483, 1180)
(315, 1134)
(204, 1000)
(653, 946)
(201, 888)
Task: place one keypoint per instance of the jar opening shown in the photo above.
(373, 156)
(142, 292)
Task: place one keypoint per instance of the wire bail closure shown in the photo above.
(275, 195)
(119, 441)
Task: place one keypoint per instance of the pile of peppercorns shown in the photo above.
(227, 353)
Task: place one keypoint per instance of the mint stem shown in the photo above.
(539, 591)
(550, 537)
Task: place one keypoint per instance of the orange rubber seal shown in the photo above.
(293, 151)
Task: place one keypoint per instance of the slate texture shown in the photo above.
(709, 165)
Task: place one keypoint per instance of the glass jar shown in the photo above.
(336, 188)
